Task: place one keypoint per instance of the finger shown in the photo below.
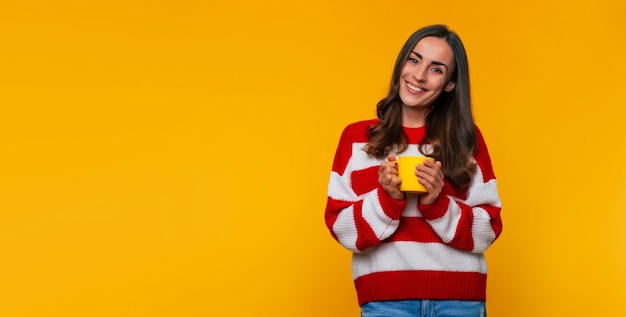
(384, 166)
(390, 166)
(436, 166)
(391, 184)
(428, 181)
(389, 177)
(426, 172)
(432, 189)
(433, 171)
(440, 176)
(393, 180)
(434, 181)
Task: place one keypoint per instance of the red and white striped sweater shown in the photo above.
(402, 250)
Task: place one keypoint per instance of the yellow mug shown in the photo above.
(406, 171)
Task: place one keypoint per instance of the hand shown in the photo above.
(431, 176)
(388, 178)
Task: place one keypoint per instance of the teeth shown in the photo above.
(414, 88)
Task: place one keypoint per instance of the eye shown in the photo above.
(437, 70)
(413, 60)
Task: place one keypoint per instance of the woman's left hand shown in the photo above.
(431, 176)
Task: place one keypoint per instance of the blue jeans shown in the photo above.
(424, 308)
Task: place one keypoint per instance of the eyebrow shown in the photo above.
(433, 62)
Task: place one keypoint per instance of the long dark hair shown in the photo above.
(450, 127)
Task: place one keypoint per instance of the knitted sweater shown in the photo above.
(403, 250)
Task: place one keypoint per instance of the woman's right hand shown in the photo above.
(388, 178)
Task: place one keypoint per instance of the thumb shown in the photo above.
(391, 158)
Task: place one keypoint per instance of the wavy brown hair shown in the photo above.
(450, 127)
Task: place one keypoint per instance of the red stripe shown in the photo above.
(496, 220)
(353, 133)
(452, 191)
(463, 239)
(333, 207)
(364, 180)
(400, 285)
(365, 235)
(483, 159)
(416, 230)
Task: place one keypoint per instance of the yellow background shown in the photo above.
(170, 158)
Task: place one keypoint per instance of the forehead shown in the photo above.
(435, 49)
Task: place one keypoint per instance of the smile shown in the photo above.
(414, 88)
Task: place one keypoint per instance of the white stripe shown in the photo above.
(410, 209)
(481, 192)
(339, 188)
(373, 213)
(412, 256)
(445, 227)
(345, 229)
(360, 160)
(482, 231)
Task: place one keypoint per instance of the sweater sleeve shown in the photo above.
(359, 213)
(473, 223)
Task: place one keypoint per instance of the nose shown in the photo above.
(420, 73)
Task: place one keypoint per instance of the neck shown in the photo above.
(414, 117)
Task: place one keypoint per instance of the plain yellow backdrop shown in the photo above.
(171, 158)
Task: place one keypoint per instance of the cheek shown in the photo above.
(404, 72)
(408, 68)
(437, 92)
(441, 85)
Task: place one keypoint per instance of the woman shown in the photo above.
(415, 253)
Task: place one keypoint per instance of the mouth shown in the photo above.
(413, 88)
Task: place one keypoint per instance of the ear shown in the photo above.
(450, 86)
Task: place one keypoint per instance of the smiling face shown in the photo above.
(425, 74)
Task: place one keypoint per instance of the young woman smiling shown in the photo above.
(418, 254)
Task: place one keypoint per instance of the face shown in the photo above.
(426, 73)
